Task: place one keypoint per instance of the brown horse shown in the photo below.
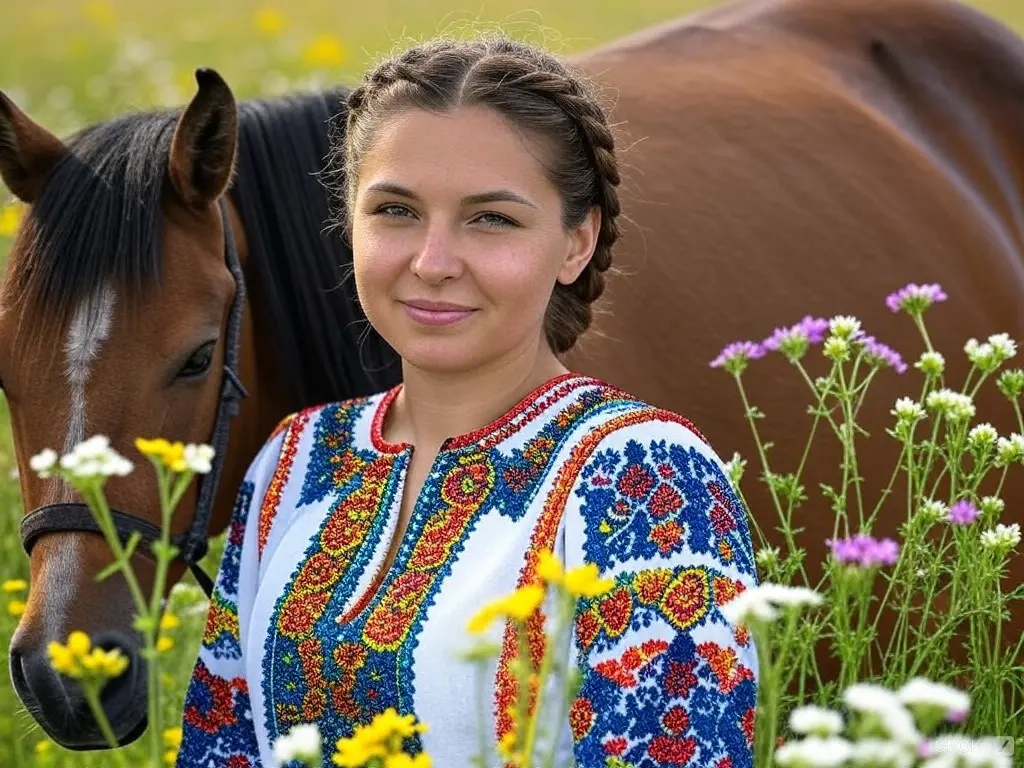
(791, 157)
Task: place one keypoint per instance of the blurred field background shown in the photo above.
(69, 63)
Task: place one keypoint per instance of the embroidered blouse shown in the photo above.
(299, 632)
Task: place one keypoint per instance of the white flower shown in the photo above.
(816, 721)
(908, 410)
(844, 327)
(934, 511)
(1002, 538)
(886, 707)
(991, 506)
(982, 436)
(955, 406)
(931, 364)
(1004, 346)
(921, 692)
(95, 458)
(1009, 449)
(303, 742)
(767, 557)
(814, 752)
(44, 462)
(763, 601)
(879, 753)
(199, 458)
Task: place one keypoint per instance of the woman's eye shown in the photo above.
(495, 220)
(393, 210)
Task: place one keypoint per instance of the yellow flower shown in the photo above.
(520, 605)
(169, 621)
(78, 659)
(43, 747)
(16, 608)
(172, 741)
(585, 581)
(381, 740)
(323, 51)
(549, 568)
(15, 585)
(269, 21)
(422, 760)
(99, 13)
(79, 643)
(62, 660)
(507, 745)
(171, 455)
(155, 448)
(10, 218)
(164, 644)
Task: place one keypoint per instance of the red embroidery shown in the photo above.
(223, 693)
(581, 717)
(667, 750)
(272, 498)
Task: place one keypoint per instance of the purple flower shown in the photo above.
(864, 551)
(963, 513)
(882, 354)
(915, 299)
(735, 356)
(794, 340)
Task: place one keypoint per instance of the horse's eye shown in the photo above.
(199, 362)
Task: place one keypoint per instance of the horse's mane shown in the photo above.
(97, 223)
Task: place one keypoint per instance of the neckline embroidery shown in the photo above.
(501, 428)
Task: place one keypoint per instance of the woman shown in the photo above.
(478, 185)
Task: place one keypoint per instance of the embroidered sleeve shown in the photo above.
(665, 679)
(217, 728)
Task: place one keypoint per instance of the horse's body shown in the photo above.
(792, 157)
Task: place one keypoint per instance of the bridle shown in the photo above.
(192, 544)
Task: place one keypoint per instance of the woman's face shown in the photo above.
(458, 239)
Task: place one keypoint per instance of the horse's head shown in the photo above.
(114, 320)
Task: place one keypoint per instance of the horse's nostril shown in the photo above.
(118, 691)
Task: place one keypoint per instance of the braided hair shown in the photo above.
(534, 91)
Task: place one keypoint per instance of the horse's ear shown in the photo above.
(28, 152)
(203, 148)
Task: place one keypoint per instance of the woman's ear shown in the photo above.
(582, 242)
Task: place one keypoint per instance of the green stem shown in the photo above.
(92, 697)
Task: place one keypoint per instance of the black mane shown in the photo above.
(97, 222)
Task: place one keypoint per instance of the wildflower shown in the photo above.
(16, 608)
(43, 747)
(549, 568)
(199, 458)
(814, 752)
(172, 743)
(93, 458)
(11, 215)
(934, 511)
(879, 354)
(794, 341)
(982, 355)
(14, 585)
(991, 507)
(268, 21)
(844, 327)
(816, 721)
(884, 709)
(908, 410)
(767, 557)
(734, 468)
(955, 406)
(1009, 450)
(325, 50)
(177, 456)
(864, 551)
(169, 621)
(1004, 346)
(78, 659)
(1011, 383)
(963, 513)
(931, 364)
(763, 601)
(915, 299)
(1002, 538)
(735, 357)
(585, 581)
(982, 437)
(164, 644)
(836, 349)
(43, 463)
(381, 740)
(303, 743)
(520, 605)
(921, 695)
(881, 752)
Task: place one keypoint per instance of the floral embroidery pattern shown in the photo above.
(219, 709)
(220, 635)
(365, 662)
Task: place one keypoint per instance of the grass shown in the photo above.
(72, 63)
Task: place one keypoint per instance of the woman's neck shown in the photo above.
(432, 407)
